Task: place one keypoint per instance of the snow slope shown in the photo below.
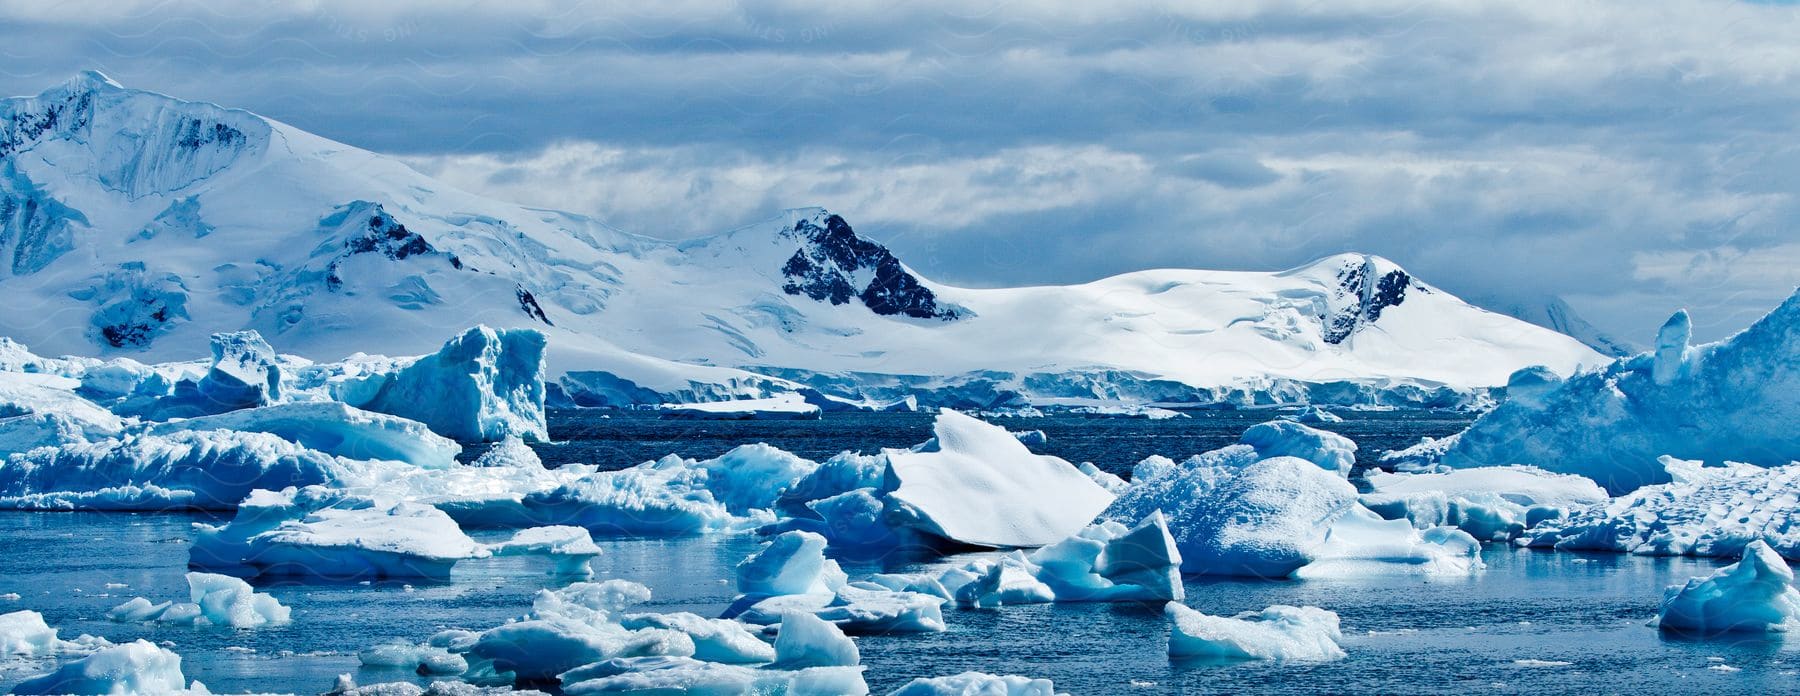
(135, 223)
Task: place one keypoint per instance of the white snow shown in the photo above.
(39, 410)
(982, 486)
(1277, 633)
(213, 600)
(1704, 511)
(977, 684)
(138, 667)
(1756, 594)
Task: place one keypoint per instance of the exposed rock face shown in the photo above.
(836, 265)
(1363, 292)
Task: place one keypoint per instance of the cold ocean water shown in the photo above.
(1534, 621)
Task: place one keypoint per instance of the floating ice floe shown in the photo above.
(346, 686)
(1756, 594)
(788, 406)
(1490, 503)
(213, 600)
(24, 634)
(333, 428)
(1240, 510)
(1313, 414)
(806, 640)
(977, 684)
(1733, 400)
(1277, 633)
(1108, 562)
(981, 486)
(676, 496)
(138, 667)
(323, 533)
(1705, 511)
(427, 658)
(791, 573)
(685, 675)
(570, 547)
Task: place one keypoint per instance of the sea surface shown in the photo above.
(1532, 622)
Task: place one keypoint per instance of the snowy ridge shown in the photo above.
(191, 219)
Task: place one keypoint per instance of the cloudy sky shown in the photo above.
(1632, 157)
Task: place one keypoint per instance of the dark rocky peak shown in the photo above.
(368, 229)
(834, 264)
(1365, 286)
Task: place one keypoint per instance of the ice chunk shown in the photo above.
(1754, 594)
(1277, 633)
(715, 640)
(328, 534)
(1331, 451)
(808, 641)
(983, 487)
(481, 386)
(512, 452)
(1111, 482)
(570, 547)
(138, 667)
(1108, 563)
(858, 608)
(792, 563)
(24, 634)
(1711, 511)
(676, 675)
(1490, 503)
(1265, 519)
(1360, 543)
(333, 428)
(1313, 414)
(421, 659)
(1010, 580)
(219, 600)
(977, 684)
(574, 626)
(789, 406)
(673, 496)
(1734, 400)
(207, 470)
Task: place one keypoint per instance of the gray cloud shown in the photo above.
(1635, 157)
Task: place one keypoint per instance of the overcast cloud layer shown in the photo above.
(1633, 157)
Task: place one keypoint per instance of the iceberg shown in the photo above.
(321, 533)
(791, 573)
(1756, 594)
(420, 659)
(981, 486)
(676, 496)
(1263, 519)
(1490, 503)
(977, 684)
(575, 626)
(806, 640)
(715, 640)
(1107, 562)
(1312, 414)
(1362, 544)
(24, 634)
(38, 410)
(789, 406)
(1010, 580)
(483, 385)
(1277, 633)
(245, 373)
(214, 600)
(1704, 511)
(1331, 451)
(1733, 400)
(138, 667)
(333, 428)
(210, 470)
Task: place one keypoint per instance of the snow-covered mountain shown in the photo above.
(1554, 313)
(136, 224)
